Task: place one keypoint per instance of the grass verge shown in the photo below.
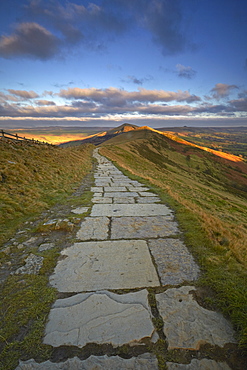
(211, 215)
(34, 177)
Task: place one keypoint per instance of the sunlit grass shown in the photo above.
(210, 208)
(33, 177)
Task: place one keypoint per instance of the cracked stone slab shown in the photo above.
(101, 317)
(188, 325)
(111, 210)
(79, 210)
(142, 362)
(203, 364)
(94, 228)
(92, 266)
(142, 227)
(174, 262)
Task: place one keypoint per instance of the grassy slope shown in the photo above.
(38, 177)
(32, 177)
(208, 194)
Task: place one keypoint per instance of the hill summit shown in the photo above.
(103, 136)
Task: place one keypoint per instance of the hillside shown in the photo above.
(103, 136)
(209, 194)
(32, 177)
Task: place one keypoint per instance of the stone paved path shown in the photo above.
(130, 242)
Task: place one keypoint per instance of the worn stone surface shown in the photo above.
(174, 262)
(92, 266)
(117, 189)
(138, 188)
(102, 200)
(101, 317)
(144, 200)
(122, 194)
(127, 200)
(32, 265)
(142, 362)
(188, 325)
(142, 227)
(46, 246)
(111, 210)
(97, 189)
(79, 210)
(93, 228)
(203, 364)
(147, 194)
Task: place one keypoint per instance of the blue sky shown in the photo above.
(160, 63)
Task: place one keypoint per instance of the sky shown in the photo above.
(160, 63)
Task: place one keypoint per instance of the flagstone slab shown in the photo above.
(145, 200)
(174, 262)
(97, 189)
(188, 325)
(147, 194)
(94, 228)
(79, 210)
(195, 364)
(138, 188)
(91, 266)
(102, 183)
(101, 317)
(142, 362)
(127, 200)
(142, 227)
(102, 200)
(120, 194)
(111, 210)
(108, 189)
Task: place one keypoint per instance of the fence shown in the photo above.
(8, 136)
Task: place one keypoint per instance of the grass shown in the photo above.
(210, 207)
(25, 302)
(34, 177)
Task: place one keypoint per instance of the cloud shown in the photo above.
(137, 81)
(45, 102)
(78, 22)
(93, 102)
(24, 94)
(185, 72)
(222, 90)
(113, 96)
(95, 24)
(29, 40)
(164, 18)
(239, 104)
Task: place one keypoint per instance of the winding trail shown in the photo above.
(126, 273)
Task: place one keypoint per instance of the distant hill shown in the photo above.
(103, 136)
(148, 132)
